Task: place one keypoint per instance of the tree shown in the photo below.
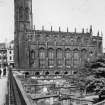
(97, 81)
(91, 78)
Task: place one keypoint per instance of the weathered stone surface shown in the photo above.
(69, 50)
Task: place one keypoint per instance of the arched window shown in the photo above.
(21, 13)
(68, 53)
(50, 53)
(59, 53)
(76, 57)
(83, 56)
(42, 53)
(51, 57)
(27, 11)
(42, 57)
(59, 57)
(76, 53)
(68, 57)
(84, 53)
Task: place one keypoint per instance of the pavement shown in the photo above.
(3, 89)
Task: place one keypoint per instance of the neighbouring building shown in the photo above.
(3, 55)
(51, 50)
(10, 54)
(7, 54)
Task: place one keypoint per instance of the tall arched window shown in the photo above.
(68, 53)
(42, 58)
(76, 58)
(50, 53)
(68, 57)
(41, 53)
(83, 56)
(59, 57)
(21, 13)
(59, 53)
(51, 57)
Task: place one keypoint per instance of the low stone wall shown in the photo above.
(15, 94)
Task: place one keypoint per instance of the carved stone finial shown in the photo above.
(98, 33)
(59, 29)
(51, 28)
(91, 29)
(67, 29)
(75, 30)
(83, 30)
(42, 28)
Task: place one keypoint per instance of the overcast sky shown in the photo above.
(64, 13)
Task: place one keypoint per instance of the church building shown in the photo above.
(51, 51)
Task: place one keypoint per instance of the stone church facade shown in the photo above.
(51, 50)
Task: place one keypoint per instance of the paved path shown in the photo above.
(3, 89)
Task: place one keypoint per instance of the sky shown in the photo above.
(55, 13)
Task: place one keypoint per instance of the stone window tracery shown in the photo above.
(68, 57)
(51, 53)
(42, 53)
(42, 58)
(59, 53)
(50, 57)
(59, 57)
(76, 57)
(83, 55)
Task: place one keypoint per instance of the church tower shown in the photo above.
(22, 22)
